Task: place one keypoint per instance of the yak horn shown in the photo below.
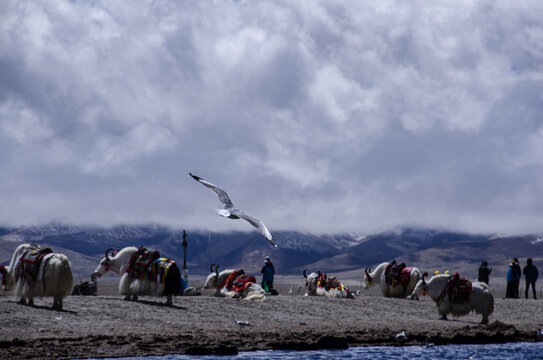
(211, 267)
(305, 275)
(217, 271)
(318, 274)
(107, 251)
(423, 276)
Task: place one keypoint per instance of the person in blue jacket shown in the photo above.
(267, 275)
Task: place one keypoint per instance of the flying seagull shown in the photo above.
(232, 212)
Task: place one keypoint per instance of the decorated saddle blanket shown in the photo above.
(239, 281)
(159, 269)
(242, 282)
(458, 289)
(140, 261)
(405, 275)
(397, 274)
(330, 283)
(31, 262)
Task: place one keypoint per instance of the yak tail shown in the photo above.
(481, 299)
(58, 276)
(173, 281)
(491, 307)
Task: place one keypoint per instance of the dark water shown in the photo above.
(451, 352)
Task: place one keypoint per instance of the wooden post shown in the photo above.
(185, 245)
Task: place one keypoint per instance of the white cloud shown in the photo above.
(328, 116)
(20, 123)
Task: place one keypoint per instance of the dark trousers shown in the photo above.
(510, 290)
(533, 288)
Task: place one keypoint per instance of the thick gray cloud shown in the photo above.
(321, 116)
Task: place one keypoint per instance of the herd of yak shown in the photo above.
(39, 272)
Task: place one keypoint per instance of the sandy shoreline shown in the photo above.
(107, 326)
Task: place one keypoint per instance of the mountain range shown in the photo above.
(347, 254)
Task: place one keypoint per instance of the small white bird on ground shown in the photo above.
(401, 337)
(242, 323)
(231, 212)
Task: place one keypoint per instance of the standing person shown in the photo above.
(484, 272)
(267, 275)
(518, 274)
(511, 279)
(530, 274)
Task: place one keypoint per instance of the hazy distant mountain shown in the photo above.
(427, 249)
(85, 246)
(433, 250)
(395, 244)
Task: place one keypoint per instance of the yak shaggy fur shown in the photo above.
(55, 278)
(481, 300)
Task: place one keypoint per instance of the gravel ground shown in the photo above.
(107, 326)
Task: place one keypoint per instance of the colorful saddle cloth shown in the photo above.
(140, 261)
(239, 281)
(147, 264)
(30, 263)
(458, 290)
(397, 274)
(330, 283)
(242, 282)
(159, 270)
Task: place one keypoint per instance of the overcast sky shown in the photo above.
(320, 116)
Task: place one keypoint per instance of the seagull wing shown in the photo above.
(259, 225)
(223, 196)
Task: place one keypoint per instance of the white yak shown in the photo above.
(224, 285)
(320, 284)
(37, 272)
(396, 290)
(449, 300)
(161, 276)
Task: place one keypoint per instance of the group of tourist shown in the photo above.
(514, 275)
